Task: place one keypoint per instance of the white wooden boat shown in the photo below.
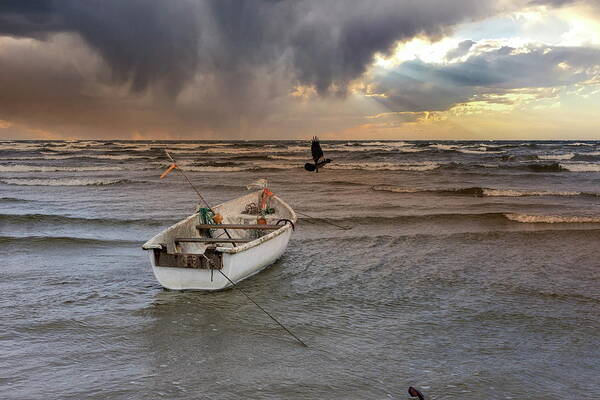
(188, 254)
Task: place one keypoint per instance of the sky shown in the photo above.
(291, 69)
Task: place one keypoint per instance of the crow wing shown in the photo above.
(315, 148)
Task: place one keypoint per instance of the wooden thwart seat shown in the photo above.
(238, 226)
(211, 240)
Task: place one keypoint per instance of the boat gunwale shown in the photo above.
(230, 250)
(262, 239)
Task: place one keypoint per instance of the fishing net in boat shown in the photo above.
(206, 216)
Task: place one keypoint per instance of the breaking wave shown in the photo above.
(212, 168)
(479, 191)
(480, 151)
(290, 158)
(54, 219)
(253, 165)
(581, 167)
(39, 168)
(65, 182)
(590, 156)
(119, 157)
(522, 193)
(253, 150)
(492, 217)
(61, 240)
(566, 156)
(534, 167)
(443, 147)
(385, 166)
(580, 144)
(552, 219)
(396, 219)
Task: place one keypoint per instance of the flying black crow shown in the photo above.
(317, 155)
(415, 393)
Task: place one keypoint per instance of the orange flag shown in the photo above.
(265, 195)
(168, 171)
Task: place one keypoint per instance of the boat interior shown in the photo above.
(244, 220)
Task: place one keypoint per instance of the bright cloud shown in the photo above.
(264, 69)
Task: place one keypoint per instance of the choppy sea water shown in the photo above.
(471, 272)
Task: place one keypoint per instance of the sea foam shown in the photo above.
(63, 182)
(383, 166)
(552, 219)
(566, 156)
(39, 168)
(583, 167)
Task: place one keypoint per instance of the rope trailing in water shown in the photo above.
(344, 228)
(256, 304)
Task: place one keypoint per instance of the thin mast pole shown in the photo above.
(188, 179)
(257, 305)
(195, 189)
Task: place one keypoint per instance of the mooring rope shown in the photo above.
(324, 220)
(255, 303)
(383, 387)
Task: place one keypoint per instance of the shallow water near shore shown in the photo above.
(471, 272)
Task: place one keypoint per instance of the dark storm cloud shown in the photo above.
(418, 86)
(212, 65)
(510, 69)
(324, 43)
(141, 41)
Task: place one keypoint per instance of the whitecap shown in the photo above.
(210, 168)
(467, 151)
(62, 182)
(391, 144)
(41, 168)
(552, 219)
(383, 166)
(254, 150)
(581, 167)
(440, 146)
(353, 149)
(69, 156)
(566, 156)
(522, 193)
(396, 189)
(580, 144)
(292, 158)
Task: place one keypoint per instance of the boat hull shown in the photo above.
(236, 266)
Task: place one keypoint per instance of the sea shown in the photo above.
(471, 270)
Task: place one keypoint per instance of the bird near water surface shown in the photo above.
(317, 155)
(415, 393)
